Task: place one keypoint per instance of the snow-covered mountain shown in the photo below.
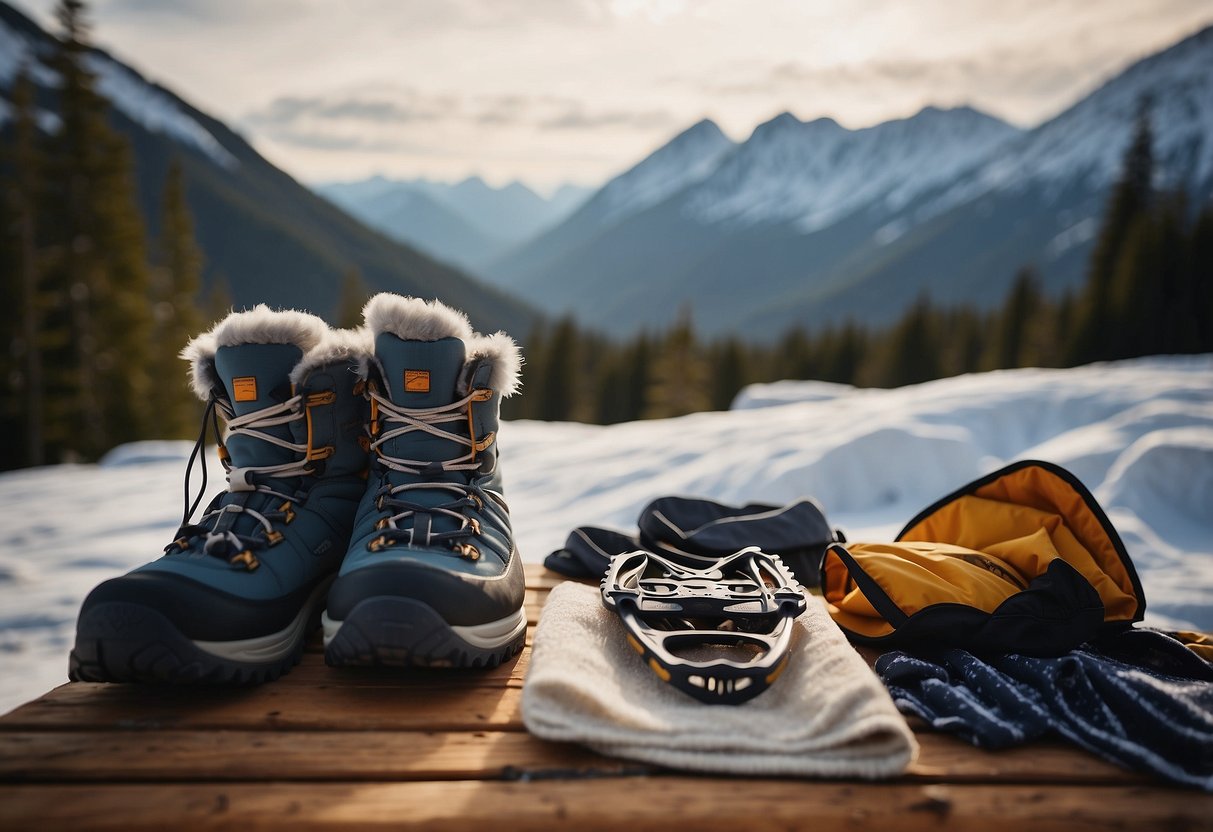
(512, 213)
(808, 222)
(681, 162)
(684, 160)
(743, 223)
(270, 239)
(467, 223)
(408, 213)
(1138, 433)
(811, 174)
(21, 47)
(1036, 199)
(1085, 143)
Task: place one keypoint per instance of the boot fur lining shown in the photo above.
(259, 325)
(351, 346)
(414, 319)
(500, 350)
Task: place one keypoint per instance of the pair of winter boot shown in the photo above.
(363, 492)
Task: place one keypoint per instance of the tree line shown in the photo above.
(95, 311)
(1148, 291)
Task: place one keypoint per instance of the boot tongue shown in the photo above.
(422, 374)
(257, 376)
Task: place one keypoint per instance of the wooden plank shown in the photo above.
(289, 755)
(400, 755)
(312, 671)
(943, 758)
(540, 578)
(437, 707)
(633, 803)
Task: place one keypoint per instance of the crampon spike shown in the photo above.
(720, 632)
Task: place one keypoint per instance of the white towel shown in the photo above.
(828, 715)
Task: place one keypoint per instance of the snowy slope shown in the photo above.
(1139, 433)
(811, 174)
(139, 100)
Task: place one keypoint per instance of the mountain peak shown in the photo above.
(475, 182)
(810, 174)
(683, 160)
(705, 126)
(788, 124)
(959, 113)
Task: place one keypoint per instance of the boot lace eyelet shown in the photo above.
(247, 558)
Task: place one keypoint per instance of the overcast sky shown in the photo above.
(547, 91)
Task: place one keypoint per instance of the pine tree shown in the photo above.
(680, 374)
(795, 354)
(526, 406)
(218, 301)
(911, 350)
(22, 408)
(610, 389)
(559, 374)
(963, 344)
(353, 298)
(1173, 299)
(1199, 278)
(99, 280)
(1095, 333)
(176, 313)
(1011, 344)
(637, 368)
(850, 351)
(729, 373)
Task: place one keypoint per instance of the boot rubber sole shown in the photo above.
(388, 631)
(127, 642)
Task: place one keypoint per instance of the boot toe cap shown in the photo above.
(462, 598)
(198, 611)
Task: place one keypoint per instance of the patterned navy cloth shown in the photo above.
(1149, 709)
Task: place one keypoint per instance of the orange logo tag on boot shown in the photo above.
(245, 388)
(416, 381)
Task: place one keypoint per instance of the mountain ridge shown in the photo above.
(467, 223)
(807, 221)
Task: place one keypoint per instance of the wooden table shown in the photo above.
(325, 748)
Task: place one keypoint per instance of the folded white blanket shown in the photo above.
(828, 715)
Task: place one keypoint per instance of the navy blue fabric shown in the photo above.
(1123, 709)
(692, 530)
(588, 551)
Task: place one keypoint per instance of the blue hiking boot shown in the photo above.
(432, 576)
(234, 596)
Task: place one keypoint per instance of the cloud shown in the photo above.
(415, 15)
(405, 107)
(1012, 81)
(211, 12)
(576, 118)
(375, 119)
(338, 142)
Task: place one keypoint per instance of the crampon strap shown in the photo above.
(719, 632)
